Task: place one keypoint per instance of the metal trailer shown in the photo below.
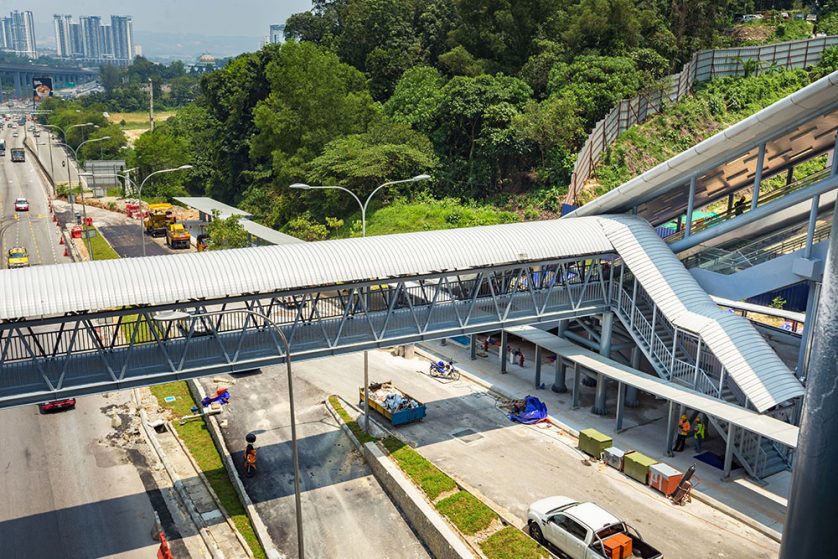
(400, 417)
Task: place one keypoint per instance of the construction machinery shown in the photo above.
(159, 218)
(177, 236)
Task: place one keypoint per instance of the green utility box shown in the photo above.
(593, 442)
(636, 466)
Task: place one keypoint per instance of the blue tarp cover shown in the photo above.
(534, 411)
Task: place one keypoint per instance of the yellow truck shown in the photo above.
(177, 236)
(18, 258)
(159, 218)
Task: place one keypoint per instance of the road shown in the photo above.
(510, 464)
(346, 514)
(68, 486)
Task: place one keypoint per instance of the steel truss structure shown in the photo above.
(56, 357)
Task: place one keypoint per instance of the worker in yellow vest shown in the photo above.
(698, 433)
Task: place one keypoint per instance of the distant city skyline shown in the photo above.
(248, 18)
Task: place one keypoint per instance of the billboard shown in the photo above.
(41, 89)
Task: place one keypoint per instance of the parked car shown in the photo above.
(21, 205)
(57, 405)
(584, 531)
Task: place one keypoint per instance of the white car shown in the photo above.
(21, 205)
(584, 530)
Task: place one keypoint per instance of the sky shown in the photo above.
(246, 18)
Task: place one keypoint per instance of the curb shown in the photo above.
(215, 432)
(698, 495)
(425, 521)
(199, 523)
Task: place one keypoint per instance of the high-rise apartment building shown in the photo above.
(277, 33)
(106, 42)
(63, 40)
(123, 37)
(91, 37)
(76, 42)
(18, 34)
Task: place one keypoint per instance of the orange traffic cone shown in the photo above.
(61, 240)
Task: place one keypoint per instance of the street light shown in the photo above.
(81, 187)
(169, 316)
(363, 205)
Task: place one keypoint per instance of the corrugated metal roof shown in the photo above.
(209, 205)
(784, 122)
(272, 236)
(767, 426)
(157, 280)
(745, 354)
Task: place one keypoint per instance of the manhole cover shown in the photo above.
(467, 435)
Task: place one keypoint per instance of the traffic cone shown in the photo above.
(66, 253)
(61, 240)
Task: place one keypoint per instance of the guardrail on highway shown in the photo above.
(704, 66)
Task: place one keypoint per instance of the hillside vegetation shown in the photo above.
(713, 107)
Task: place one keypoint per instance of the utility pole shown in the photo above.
(151, 104)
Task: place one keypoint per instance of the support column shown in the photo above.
(690, 208)
(806, 336)
(670, 428)
(758, 176)
(559, 383)
(17, 84)
(812, 506)
(621, 391)
(810, 229)
(576, 384)
(731, 431)
(600, 407)
(473, 346)
(504, 351)
(632, 400)
(539, 355)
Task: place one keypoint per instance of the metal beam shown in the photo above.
(690, 206)
(758, 175)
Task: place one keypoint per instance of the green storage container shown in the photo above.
(593, 442)
(636, 466)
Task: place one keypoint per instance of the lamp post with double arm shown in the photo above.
(363, 205)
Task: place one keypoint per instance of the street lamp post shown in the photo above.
(81, 186)
(363, 205)
(64, 137)
(168, 316)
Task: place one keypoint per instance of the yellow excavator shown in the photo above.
(159, 218)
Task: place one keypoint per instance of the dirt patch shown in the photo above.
(752, 33)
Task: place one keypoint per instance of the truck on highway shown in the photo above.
(585, 531)
(158, 220)
(18, 155)
(177, 236)
(2, 147)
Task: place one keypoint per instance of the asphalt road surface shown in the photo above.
(65, 489)
(346, 514)
(125, 240)
(510, 464)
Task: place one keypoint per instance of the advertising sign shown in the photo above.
(41, 89)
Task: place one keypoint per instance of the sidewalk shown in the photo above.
(643, 430)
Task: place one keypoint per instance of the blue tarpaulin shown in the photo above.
(534, 411)
(222, 395)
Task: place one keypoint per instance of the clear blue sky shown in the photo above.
(205, 17)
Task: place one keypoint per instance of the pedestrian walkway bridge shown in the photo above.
(89, 327)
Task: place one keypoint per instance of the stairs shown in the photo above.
(658, 339)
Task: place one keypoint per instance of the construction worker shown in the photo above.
(250, 456)
(698, 433)
(683, 432)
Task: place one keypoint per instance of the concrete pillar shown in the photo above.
(504, 351)
(670, 428)
(576, 384)
(473, 346)
(538, 357)
(812, 505)
(621, 391)
(632, 400)
(731, 431)
(18, 92)
(559, 383)
(600, 407)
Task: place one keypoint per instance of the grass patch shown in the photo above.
(423, 473)
(511, 543)
(351, 423)
(466, 512)
(101, 249)
(196, 437)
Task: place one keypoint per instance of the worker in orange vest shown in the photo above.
(250, 456)
(684, 428)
